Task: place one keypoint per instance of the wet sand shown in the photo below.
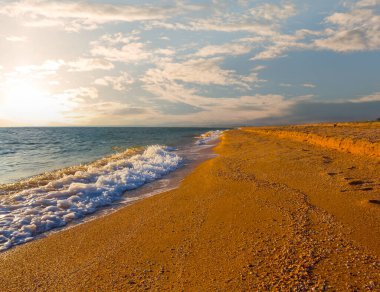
(269, 212)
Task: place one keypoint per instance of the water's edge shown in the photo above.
(170, 182)
(192, 156)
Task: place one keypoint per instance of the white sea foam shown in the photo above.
(26, 214)
(208, 137)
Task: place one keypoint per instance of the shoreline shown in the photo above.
(264, 214)
(190, 156)
(171, 182)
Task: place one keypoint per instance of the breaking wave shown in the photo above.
(52, 200)
(208, 137)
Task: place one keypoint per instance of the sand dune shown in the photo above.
(358, 138)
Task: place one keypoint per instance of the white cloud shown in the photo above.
(368, 98)
(110, 113)
(269, 53)
(165, 84)
(252, 78)
(47, 68)
(15, 38)
(225, 49)
(80, 94)
(238, 110)
(357, 30)
(117, 47)
(229, 110)
(199, 71)
(169, 90)
(116, 82)
(217, 110)
(279, 44)
(259, 68)
(272, 12)
(368, 3)
(226, 25)
(190, 66)
(73, 15)
(165, 52)
(286, 85)
(89, 64)
(354, 30)
(263, 20)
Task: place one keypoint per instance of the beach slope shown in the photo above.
(272, 211)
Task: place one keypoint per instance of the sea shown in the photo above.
(51, 177)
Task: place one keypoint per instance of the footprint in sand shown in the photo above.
(356, 183)
(332, 173)
(326, 159)
(366, 189)
(361, 183)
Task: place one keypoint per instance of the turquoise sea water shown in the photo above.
(25, 152)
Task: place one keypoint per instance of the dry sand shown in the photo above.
(269, 212)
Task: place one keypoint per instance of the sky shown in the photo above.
(188, 63)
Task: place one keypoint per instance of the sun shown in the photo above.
(25, 102)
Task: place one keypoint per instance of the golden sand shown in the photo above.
(357, 138)
(267, 213)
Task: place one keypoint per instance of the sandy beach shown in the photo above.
(278, 208)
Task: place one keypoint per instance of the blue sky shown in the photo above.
(187, 63)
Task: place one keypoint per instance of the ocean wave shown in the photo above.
(208, 137)
(6, 151)
(65, 196)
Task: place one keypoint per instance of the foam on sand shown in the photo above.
(208, 137)
(27, 213)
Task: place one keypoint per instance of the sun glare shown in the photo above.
(25, 102)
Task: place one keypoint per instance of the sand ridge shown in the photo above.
(357, 138)
(266, 214)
